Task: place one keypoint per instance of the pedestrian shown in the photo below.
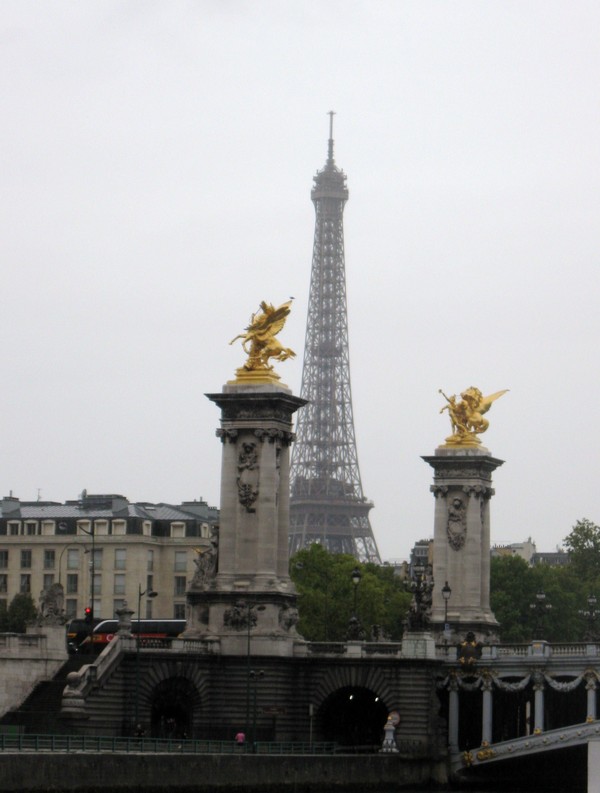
(240, 738)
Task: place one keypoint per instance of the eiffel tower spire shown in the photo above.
(327, 504)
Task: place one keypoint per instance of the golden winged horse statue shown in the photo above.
(259, 340)
(466, 416)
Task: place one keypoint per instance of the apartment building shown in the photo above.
(104, 551)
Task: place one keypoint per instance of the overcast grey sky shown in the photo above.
(157, 160)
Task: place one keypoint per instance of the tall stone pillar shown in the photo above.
(462, 487)
(248, 601)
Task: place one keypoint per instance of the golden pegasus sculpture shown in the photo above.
(260, 344)
(466, 416)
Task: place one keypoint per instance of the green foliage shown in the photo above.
(513, 588)
(583, 545)
(326, 596)
(19, 614)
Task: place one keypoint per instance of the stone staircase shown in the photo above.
(40, 712)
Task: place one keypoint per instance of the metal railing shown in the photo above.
(98, 743)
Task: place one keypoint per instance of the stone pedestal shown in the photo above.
(461, 546)
(418, 644)
(248, 600)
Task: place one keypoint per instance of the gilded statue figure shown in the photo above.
(259, 340)
(466, 416)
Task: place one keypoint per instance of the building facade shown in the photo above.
(104, 551)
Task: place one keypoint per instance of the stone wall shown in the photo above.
(27, 659)
(199, 773)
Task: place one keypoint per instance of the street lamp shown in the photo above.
(446, 592)
(251, 618)
(149, 593)
(255, 677)
(540, 609)
(354, 628)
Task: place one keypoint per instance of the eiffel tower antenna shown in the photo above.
(327, 504)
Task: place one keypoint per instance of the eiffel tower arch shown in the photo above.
(327, 504)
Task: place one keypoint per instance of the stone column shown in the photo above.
(538, 711)
(461, 544)
(590, 686)
(487, 705)
(249, 601)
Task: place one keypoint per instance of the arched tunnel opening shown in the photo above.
(353, 716)
(172, 708)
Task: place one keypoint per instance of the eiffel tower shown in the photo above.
(327, 504)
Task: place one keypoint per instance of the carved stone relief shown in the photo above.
(247, 479)
(457, 523)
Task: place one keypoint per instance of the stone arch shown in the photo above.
(356, 676)
(184, 682)
(174, 701)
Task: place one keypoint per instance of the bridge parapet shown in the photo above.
(562, 738)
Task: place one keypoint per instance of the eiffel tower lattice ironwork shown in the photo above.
(327, 504)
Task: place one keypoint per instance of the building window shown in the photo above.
(120, 559)
(179, 611)
(149, 608)
(25, 586)
(70, 608)
(25, 560)
(3, 582)
(72, 583)
(150, 565)
(49, 559)
(97, 585)
(73, 559)
(31, 529)
(101, 527)
(84, 527)
(180, 561)
(177, 529)
(48, 528)
(117, 605)
(3, 560)
(180, 584)
(119, 527)
(13, 529)
(149, 583)
(119, 584)
(97, 558)
(48, 580)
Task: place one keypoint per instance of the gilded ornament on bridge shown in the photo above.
(260, 344)
(466, 416)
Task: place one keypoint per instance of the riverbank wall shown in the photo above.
(111, 772)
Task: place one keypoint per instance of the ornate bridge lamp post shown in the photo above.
(540, 609)
(354, 627)
(591, 614)
(149, 593)
(421, 587)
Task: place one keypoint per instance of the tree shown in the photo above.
(513, 588)
(583, 545)
(326, 596)
(21, 612)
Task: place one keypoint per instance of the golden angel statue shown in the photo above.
(466, 416)
(259, 340)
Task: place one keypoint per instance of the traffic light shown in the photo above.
(88, 615)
